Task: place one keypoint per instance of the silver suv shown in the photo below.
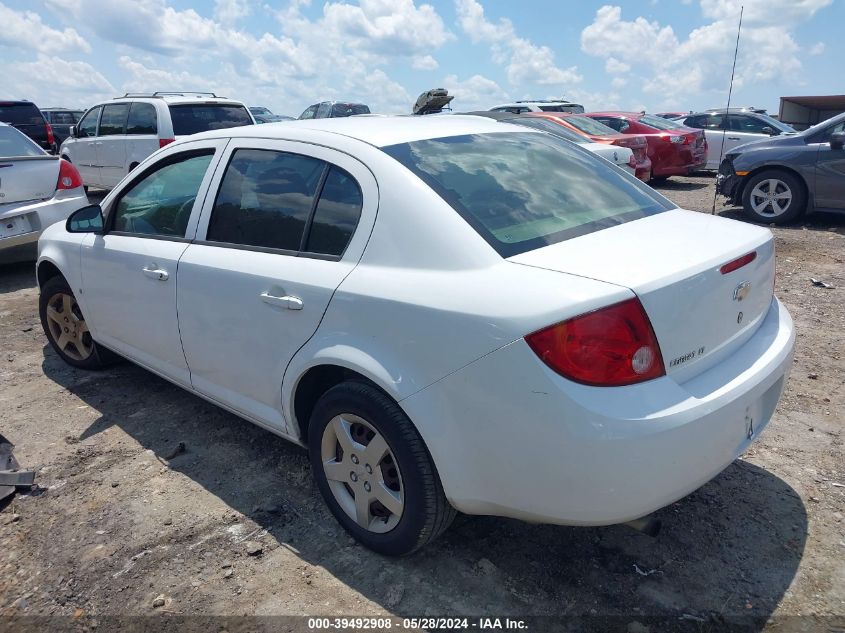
(113, 137)
(521, 107)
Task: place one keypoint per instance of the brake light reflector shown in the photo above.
(50, 138)
(69, 177)
(610, 347)
(165, 141)
(739, 262)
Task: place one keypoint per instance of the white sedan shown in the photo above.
(450, 313)
(36, 190)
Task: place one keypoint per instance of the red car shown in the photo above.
(675, 150)
(599, 133)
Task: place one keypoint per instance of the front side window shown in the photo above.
(523, 190)
(113, 120)
(161, 202)
(195, 118)
(88, 125)
(742, 123)
(823, 135)
(336, 215)
(142, 119)
(265, 199)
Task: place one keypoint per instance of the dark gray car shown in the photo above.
(779, 179)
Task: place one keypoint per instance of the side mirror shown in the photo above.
(73, 131)
(837, 140)
(86, 220)
(770, 131)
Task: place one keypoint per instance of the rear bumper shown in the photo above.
(512, 438)
(40, 215)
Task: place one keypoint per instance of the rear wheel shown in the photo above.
(374, 470)
(65, 327)
(774, 196)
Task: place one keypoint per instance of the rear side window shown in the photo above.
(20, 114)
(14, 143)
(142, 119)
(113, 120)
(265, 199)
(161, 202)
(195, 118)
(336, 215)
(619, 125)
(88, 125)
(523, 190)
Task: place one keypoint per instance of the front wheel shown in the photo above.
(374, 470)
(774, 196)
(65, 326)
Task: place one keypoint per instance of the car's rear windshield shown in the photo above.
(349, 109)
(659, 123)
(571, 107)
(524, 190)
(591, 126)
(194, 118)
(14, 143)
(20, 114)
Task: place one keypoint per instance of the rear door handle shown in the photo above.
(156, 273)
(288, 301)
(734, 138)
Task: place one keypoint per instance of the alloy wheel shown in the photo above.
(362, 473)
(771, 197)
(68, 328)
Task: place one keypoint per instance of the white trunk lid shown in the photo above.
(29, 178)
(672, 262)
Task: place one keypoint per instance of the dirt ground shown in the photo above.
(118, 519)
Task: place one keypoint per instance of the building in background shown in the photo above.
(802, 112)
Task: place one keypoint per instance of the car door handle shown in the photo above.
(288, 301)
(734, 138)
(156, 273)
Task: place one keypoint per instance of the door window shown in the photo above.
(265, 199)
(824, 135)
(113, 120)
(161, 202)
(88, 125)
(142, 119)
(620, 125)
(743, 123)
(336, 215)
(323, 111)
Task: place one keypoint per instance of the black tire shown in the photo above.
(98, 357)
(659, 179)
(788, 181)
(426, 513)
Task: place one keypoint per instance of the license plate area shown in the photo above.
(16, 225)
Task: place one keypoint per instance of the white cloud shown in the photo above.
(54, 81)
(615, 66)
(424, 62)
(24, 29)
(618, 82)
(476, 93)
(231, 10)
(524, 61)
(679, 70)
(763, 11)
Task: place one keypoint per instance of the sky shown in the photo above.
(653, 55)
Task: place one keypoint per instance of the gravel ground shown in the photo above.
(124, 524)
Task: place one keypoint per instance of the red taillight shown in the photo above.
(69, 177)
(50, 138)
(739, 262)
(165, 141)
(609, 347)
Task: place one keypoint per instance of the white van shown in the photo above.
(113, 137)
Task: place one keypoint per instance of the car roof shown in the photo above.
(379, 131)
